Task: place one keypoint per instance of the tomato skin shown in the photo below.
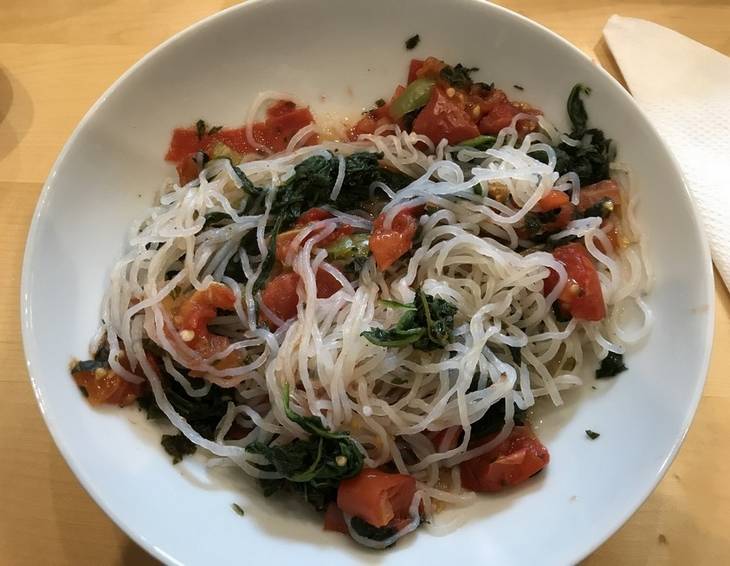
(512, 462)
(582, 296)
(556, 200)
(491, 100)
(327, 284)
(430, 68)
(195, 312)
(592, 194)
(389, 245)
(376, 497)
(334, 520)
(443, 118)
(279, 108)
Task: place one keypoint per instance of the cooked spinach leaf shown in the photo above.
(458, 76)
(365, 529)
(313, 467)
(493, 420)
(590, 159)
(412, 41)
(602, 209)
(177, 446)
(592, 435)
(611, 365)
(428, 325)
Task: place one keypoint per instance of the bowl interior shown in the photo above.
(339, 57)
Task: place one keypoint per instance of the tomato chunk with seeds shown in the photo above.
(194, 312)
(512, 462)
(377, 497)
(593, 194)
(443, 118)
(582, 297)
(103, 386)
(280, 293)
(390, 244)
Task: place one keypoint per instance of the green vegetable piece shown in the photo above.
(611, 365)
(368, 531)
(415, 96)
(480, 142)
(348, 248)
(238, 509)
(313, 467)
(413, 41)
(592, 435)
(396, 305)
(428, 325)
(576, 109)
(602, 209)
(177, 446)
(459, 76)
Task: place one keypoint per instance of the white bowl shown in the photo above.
(339, 57)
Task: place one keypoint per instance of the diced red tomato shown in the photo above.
(280, 293)
(430, 68)
(413, 69)
(582, 296)
(334, 520)
(376, 497)
(194, 313)
(279, 108)
(284, 119)
(376, 117)
(443, 118)
(446, 439)
(389, 245)
(495, 97)
(512, 462)
(554, 199)
(187, 170)
(499, 117)
(592, 194)
(103, 386)
(284, 241)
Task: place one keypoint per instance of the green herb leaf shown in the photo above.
(459, 76)
(592, 435)
(238, 509)
(611, 365)
(200, 128)
(412, 41)
(428, 325)
(368, 531)
(576, 109)
(480, 142)
(396, 304)
(380, 102)
(177, 446)
(313, 467)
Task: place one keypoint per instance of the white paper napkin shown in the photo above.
(684, 88)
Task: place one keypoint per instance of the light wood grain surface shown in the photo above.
(56, 58)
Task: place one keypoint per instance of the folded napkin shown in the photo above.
(684, 88)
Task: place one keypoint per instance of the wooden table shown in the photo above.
(56, 58)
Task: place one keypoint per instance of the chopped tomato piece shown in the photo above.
(413, 69)
(430, 68)
(582, 297)
(592, 194)
(446, 439)
(187, 170)
(284, 241)
(334, 520)
(280, 293)
(281, 128)
(327, 284)
(443, 118)
(377, 497)
(103, 386)
(389, 245)
(280, 107)
(512, 462)
(499, 117)
(194, 313)
(554, 199)
(491, 100)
